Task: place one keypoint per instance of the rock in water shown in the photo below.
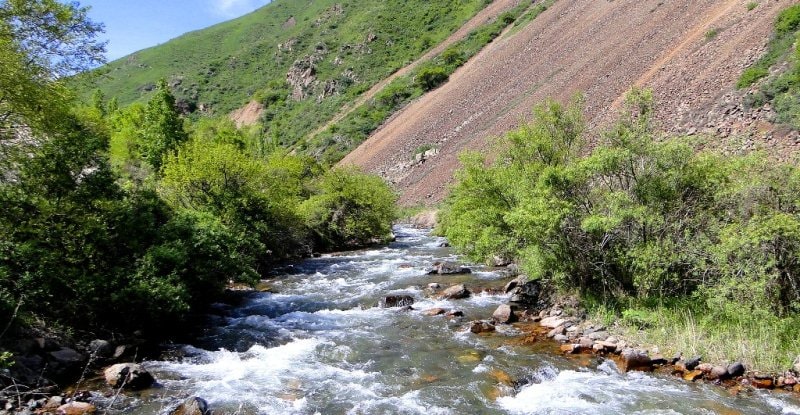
(397, 301)
(128, 375)
(192, 406)
(448, 268)
(76, 408)
(481, 326)
(634, 359)
(504, 314)
(456, 292)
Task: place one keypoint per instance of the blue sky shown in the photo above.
(133, 25)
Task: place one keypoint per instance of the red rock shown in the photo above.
(762, 383)
(570, 348)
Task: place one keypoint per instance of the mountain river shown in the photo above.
(319, 346)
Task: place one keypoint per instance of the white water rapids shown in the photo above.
(319, 346)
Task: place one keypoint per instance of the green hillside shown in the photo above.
(303, 60)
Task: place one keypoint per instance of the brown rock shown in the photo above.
(693, 375)
(129, 376)
(456, 292)
(735, 369)
(762, 383)
(718, 372)
(552, 322)
(448, 268)
(481, 327)
(76, 408)
(434, 312)
(192, 406)
(569, 348)
(556, 331)
(705, 367)
(504, 314)
(635, 359)
(585, 343)
(454, 313)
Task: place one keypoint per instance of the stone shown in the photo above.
(454, 313)
(53, 403)
(606, 345)
(129, 376)
(504, 314)
(762, 382)
(552, 322)
(718, 372)
(481, 326)
(585, 343)
(434, 286)
(76, 408)
(598, 335)
(560, 338)
(693, 375)
(692, 363)
(64, 362)
(512, 284)
(556, 331)
(598, 348)
(120, 351)
(456, 292)
(434, 312)
(448, 268)
(397, 301)
(526, 293)
(570, 348)
(634, 359)
(192, 406)
(705, 367)
(101, 348)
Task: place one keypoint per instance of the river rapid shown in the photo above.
(318, 345)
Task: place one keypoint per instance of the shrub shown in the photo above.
(430, 77)
(349, 209)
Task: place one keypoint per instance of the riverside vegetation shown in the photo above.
(114, 219)
(691, 249)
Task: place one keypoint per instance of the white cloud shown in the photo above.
(234, 8)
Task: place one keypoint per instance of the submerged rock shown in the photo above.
(481, 326)
(129, 376)
(397, 301)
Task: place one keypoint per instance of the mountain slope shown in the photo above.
(301, 60)
(690, 53)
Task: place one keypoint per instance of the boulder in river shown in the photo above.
(456, 292)
(397, 301)
(129, 376)
(504, 314)
(633, 359)
(434, 312)
(192, 406)
(481, 326)
(448, 268)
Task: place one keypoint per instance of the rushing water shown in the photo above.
(319, 346)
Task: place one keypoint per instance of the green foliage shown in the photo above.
(349, 208)
(352, 45)
(752, 5)
(430, 77)
(711, 34)
(635, 216)
(163, 127)
(786, 28)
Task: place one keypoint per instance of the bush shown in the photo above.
(349, 209)
(430, 77)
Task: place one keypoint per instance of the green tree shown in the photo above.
(163, 127)
(349, 208)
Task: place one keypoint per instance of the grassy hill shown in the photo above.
(301, 60)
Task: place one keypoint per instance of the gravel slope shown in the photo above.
(599, 47)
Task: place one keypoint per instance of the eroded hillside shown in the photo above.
(689, 53)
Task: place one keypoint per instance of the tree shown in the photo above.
(163, 127)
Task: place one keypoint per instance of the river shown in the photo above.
(319, 346)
